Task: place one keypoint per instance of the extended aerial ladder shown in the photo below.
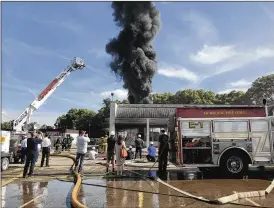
(22, 122)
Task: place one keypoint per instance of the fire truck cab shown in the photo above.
(229, 138)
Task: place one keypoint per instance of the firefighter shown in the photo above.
(64, 143)
(163, 151)
(100, 143)
(70, 139)
(58, 143)
(138, 146)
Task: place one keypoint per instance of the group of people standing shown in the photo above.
(163, 150)
(30, 151)
(113, 150)
(65, 143)
(114, 147)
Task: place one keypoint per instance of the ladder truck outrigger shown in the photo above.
(21, 124)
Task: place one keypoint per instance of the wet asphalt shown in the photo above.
(135, 192)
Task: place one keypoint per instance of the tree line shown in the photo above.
(97, 123)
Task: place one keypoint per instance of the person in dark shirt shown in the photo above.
(139, 146)
(57, 143)
(163, 150)
(64, 143)
(70, 139)
(130, 154)
(32, 146)
(111, 151)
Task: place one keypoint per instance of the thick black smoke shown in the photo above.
(133, 57)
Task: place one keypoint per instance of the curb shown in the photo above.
(140, 166)
(146, 165)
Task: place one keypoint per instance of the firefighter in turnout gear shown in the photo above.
(69, 142)
(64, 143)
(163, 150)
(101, 148)
(57, 144)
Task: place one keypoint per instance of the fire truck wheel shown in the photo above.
(234, 164)
(4, 164)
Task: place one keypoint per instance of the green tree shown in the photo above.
(8, 125)
(101, 120)
(44, 126)
(75, 119)
(190, 96)
(32, 125)
(162, 98)
(262, 87)
(231, 98)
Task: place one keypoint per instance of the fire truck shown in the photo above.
(226, 138)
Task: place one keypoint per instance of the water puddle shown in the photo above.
(134, 191)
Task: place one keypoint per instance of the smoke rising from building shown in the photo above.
(133, 57)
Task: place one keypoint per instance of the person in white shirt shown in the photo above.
(23, 149)
(82, 148)
(46, 144)
(92, 154)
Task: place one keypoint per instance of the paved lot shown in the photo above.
(129, 193)
(46, 189)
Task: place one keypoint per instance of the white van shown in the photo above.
(5, 154)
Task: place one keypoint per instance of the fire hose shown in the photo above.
(77, 181)
(185, 194)
(223, 200)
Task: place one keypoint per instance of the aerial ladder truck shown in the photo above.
(23, 121)
(21, 125)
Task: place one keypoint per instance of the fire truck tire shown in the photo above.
(5, 163)
(234, 164)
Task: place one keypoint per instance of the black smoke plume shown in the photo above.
(133, 57)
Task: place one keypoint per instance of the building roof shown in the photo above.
(144, 112)
(161, 110)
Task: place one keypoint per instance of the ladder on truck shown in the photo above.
(22, 122)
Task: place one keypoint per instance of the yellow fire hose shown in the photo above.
(74, 201)
(225, 199)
